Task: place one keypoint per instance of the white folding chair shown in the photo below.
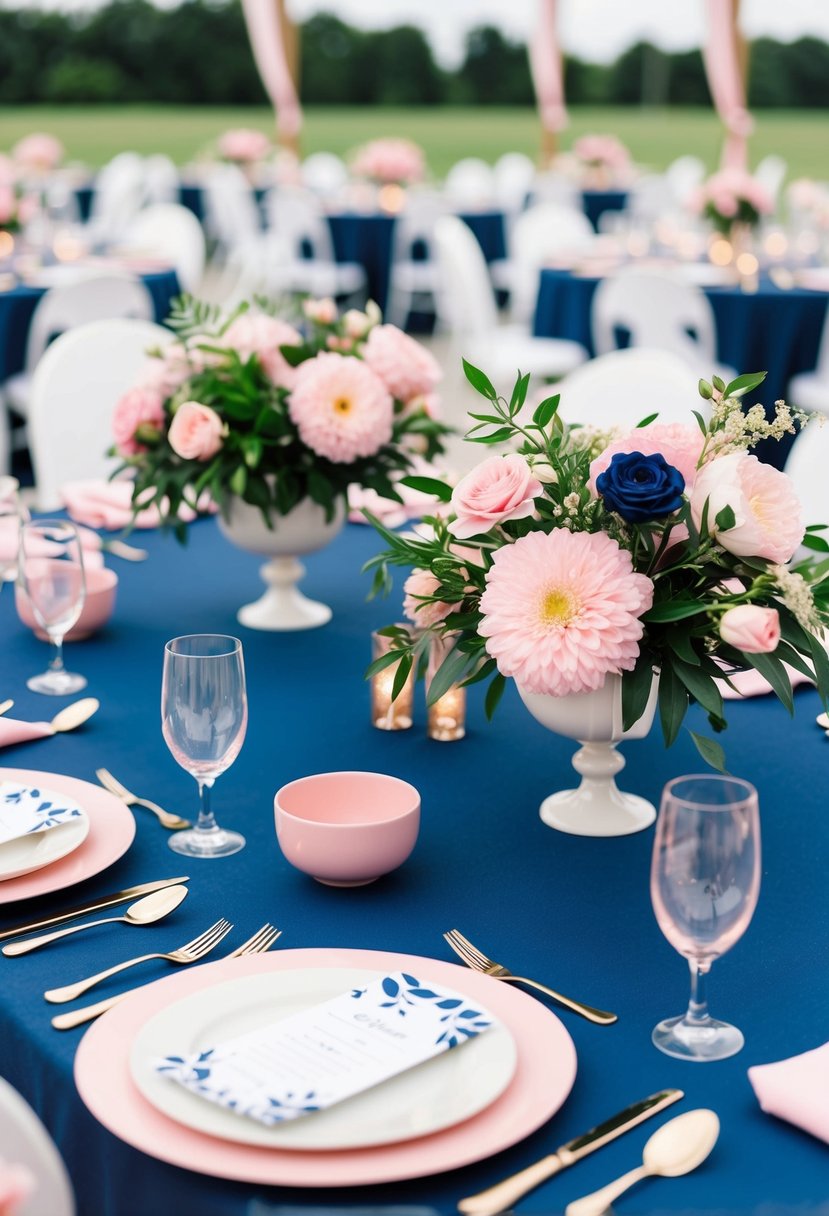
(119, 189)
(470, 184)
(467, 308)
(296, 218)
(650, 198)
(513, 174)
(771, 173)
(660, 311)
(324, 173)
(553, 187)
(683, 175)
(161, 180)
(810, 390)
(174, 233)
(25, 1141)
(539, 234)
(414, 282)
(807, 465)
(74, 392)
(231, 215)
(622, 388)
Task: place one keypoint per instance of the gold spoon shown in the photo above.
(144, 911)
(5, 706)
(74, 715)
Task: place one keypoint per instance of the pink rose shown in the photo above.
(498, 489)
(750, 628)
(405, 367)
(680, 445)
(196, 432)
(324, 311)
(355, 323)
(243, 145)
(422, 583)
(255, 333)
(142, 406)
(38, 151)
(767, 511)
(390, 160)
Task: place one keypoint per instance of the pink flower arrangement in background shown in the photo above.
(38, 152)
(243, 146)
(498, 489)
(602, 152)
(390, 161)
(406, 368)
(731, 197)
(341, 409)
(256, 333)
(138, 416)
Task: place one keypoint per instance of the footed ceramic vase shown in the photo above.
(598, 807)
(303, 530)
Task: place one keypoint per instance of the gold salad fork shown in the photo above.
(479, 962)
(259, 943)
(173, 822)
(190, 952)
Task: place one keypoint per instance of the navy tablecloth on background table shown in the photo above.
(18, 305)
(573, 911)
(596, 202)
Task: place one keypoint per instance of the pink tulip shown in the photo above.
(750, 628)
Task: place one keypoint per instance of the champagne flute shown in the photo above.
(52, 576)
(204, 716)
(705, 881)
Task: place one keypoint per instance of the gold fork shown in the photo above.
(190, 952)
(479, 962)
(259, 943)
(173, 822)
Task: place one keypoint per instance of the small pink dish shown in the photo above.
(347, 829)
(101, 585)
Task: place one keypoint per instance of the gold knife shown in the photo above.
(501, 1196)
(95, 905)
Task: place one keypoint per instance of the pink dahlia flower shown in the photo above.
(680, 445)
(406, 368)
(341, 409)
(498, 489)
(562, 610)
(767, 512)
(39, 151)
(141, 406)
(422, 583)
(255, 333)
(243, 145)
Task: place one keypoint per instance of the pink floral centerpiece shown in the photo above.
(243, 146)
(397, 162)
(38, 153)
(603, 160)
(731, 199)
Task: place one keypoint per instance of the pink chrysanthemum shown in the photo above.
(406, 368)
(342, 410)
(679, 443)
(562, 610)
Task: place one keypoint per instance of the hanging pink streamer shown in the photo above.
(546, 68)
(722, 67)
(265, 33)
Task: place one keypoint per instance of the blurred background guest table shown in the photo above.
(596, 202)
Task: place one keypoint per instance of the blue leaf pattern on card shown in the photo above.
(35, 808)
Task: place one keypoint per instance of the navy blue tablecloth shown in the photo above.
(18, 305)
(596, 202)
(190, 196)
(571, 910)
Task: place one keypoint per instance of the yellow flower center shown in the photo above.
(759, 509)
(342, 406)
(558, 607)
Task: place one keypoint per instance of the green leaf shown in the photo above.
(744, 384)
(294, 355)
(479, 381)
(636, 689)
(774, 671)
(711, 751)
(673, 703)
(504, 432)
(679, 641)
(647, 421)
(450, 672)
(701, 687)
(672, 610)
(821, 665)
(701, 423)
(726, 519)
(810, 541)
(239, 480)
(401, 676)
(429, 485)
(493, 695)
(519, 394)
(545, 410)
(385, 660)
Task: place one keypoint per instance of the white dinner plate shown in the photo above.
(39, 849)
(440, 1093)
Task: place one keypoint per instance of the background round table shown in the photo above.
(596, 202)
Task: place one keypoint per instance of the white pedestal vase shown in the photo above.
(283, 607)
(598, 807)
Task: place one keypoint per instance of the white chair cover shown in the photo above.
(622, 388)
(324, 173)
(172, 232)
(119, 190)
(539, 234)
(807, 465)
(161, 180)
(25, 1141)
(660, 311)
(470, 184)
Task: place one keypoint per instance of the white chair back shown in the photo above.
(807, 465)
(417, 222)
(622, 388)
(324, 173)
(172, 232)
(771, 173)
(296, 216)
(552, 187)
(74, 392)
(25, 1141)
(683, 175)
(466, 301)
(119, 189)
(470, 184)
(161, 180)
(538, 234)
(90, 299)
(231, 214)
(659, 311)
(514, 174)
(650, 197)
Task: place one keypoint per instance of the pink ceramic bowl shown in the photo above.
(101, 585)
(346, 829)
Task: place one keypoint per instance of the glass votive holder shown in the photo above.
(446, 720)
(388, 714)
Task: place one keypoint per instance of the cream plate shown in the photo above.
(39, 849)
(429, 1097)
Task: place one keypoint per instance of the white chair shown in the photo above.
(231, 215)
(622, 388)
(174, 233)
(64, 308)
(467, 308)
(74, 391)
(683, 175)
(324, 173)
(540, 233)
(161, 180)
(771, 173)
(514, 174)
(296, 218)
(25, 1141)
(807, 465)
(810, 390)
(470, 184)
(119, 190)
(659, 311)
(553, 187)
(414, 282)
(650, 198)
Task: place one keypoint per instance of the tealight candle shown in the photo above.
(447, 716)
(388, 714)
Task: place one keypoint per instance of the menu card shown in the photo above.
(25, 810)
(320, 1056)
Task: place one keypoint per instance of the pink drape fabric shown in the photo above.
(547, 70)
(265, 33)
(722, 67)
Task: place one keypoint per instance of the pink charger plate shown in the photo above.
(543, 1078)
(111, 832)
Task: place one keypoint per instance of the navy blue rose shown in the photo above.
(640, 487)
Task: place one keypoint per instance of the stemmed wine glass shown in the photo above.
(204, 716)
(705, 881)
(12, 511)
(51, 574)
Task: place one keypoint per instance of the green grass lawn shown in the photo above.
(95, 133)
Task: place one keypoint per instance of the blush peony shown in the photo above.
(767, 511)
(39, 151)
(258, 334)
(562, 610)
(750, 628)
(139, 407)
(341, 408)
(196, 432)
(406, 368)
(679, 444)
(421, 611)
(498, 489)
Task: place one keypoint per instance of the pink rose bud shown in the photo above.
(196, 432)
(750, 628)
(323, 312)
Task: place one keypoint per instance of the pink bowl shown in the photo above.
(101, 585)
(346, 829)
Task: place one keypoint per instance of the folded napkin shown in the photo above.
(752, 684)
(12, 731)
(10, 540)
(796, 1090)
(108, 505)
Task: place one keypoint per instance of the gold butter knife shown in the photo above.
(501, 1196)
(94, 905)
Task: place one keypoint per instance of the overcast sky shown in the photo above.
(591, 29)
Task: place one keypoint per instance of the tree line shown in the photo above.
(198, 53)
